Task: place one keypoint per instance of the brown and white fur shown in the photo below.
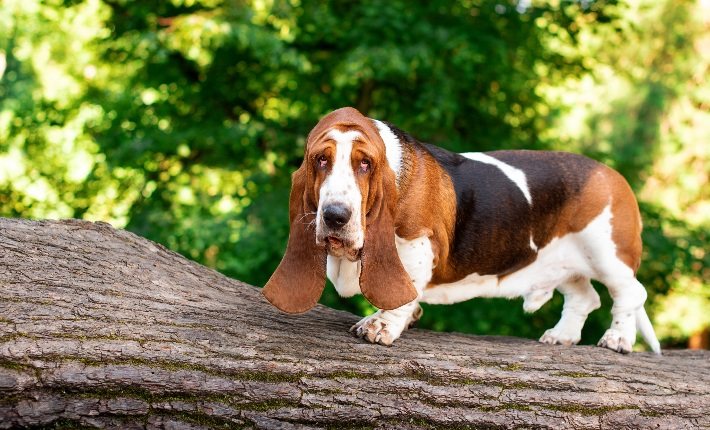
(403, 222)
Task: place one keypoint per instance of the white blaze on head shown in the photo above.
(340, 187)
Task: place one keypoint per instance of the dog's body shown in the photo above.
(404, 222)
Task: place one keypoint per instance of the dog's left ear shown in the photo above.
(298, 282)
(383, 280)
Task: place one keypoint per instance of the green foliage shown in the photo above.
(183, 120)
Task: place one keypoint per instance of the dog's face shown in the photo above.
(344, 161)
(343, 202)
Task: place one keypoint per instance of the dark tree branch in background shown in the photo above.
(101, 328)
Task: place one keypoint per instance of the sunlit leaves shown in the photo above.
(636, 109)
(182, 120)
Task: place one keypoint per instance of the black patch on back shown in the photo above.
(553, 178)
(493, 217)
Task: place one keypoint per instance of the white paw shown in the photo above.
(376, 329)
(616, 341)
(557, 336)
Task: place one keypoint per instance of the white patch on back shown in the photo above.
(589, 253)
(532, 244)
(514, 174)
(393, 147)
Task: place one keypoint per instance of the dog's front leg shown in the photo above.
(385, 326)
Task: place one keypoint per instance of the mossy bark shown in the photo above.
(101, 328)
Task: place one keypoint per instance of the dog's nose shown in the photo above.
(336, 215)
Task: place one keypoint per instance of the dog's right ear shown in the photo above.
(298, 282)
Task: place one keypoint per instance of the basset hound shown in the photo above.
(403, 222)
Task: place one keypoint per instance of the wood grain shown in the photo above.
(101, 328)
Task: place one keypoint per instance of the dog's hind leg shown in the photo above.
(629, 296)
(580, 300)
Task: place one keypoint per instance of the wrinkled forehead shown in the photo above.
(345, 124)
(344, 137)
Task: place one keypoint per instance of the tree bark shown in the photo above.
(101, 328)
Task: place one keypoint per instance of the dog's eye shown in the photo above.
(322, 161)
(364, 165)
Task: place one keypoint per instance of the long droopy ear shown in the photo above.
(298, 282)
(383, 280)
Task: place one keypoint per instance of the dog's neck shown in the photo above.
(401, 153)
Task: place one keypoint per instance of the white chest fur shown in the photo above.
(345, 275)
(416, 255)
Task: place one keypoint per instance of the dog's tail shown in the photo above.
(643, 324)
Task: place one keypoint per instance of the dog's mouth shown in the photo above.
(338, 247)
(334, 243)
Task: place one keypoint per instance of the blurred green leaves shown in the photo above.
(183, 120)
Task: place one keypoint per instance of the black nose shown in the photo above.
(336, 215)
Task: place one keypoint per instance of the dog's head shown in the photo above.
(343, 202)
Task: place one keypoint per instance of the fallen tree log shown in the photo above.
(101, 328)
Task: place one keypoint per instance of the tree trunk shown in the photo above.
(101, 328)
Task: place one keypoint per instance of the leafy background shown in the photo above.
(182, 120)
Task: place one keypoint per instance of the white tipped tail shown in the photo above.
(643, 324)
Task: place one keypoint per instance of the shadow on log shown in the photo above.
(101, 328)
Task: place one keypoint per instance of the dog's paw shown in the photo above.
(616, 341)
(557, 336)
(376, 329)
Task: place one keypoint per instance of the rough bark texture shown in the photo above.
(101, 328)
